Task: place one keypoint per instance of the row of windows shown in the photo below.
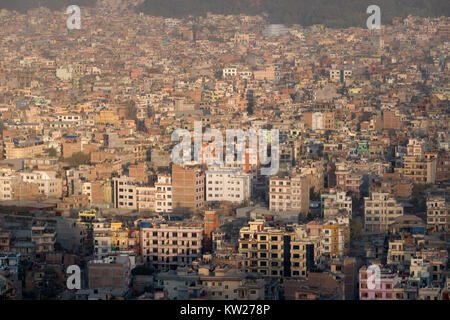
(173, 234)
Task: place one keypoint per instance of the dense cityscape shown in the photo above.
(336, 187)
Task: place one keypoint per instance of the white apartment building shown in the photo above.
(75, 119)
(380, 211)
(166, 246)
(420, 270)
(163, 194)
(228, 184)
(289, 194)
(229, 72)
(48, 183)
(317, 121)
(124, 193)
(340, 75)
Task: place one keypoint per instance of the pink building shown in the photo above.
(371, 289)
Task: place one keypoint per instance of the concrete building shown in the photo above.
(124, 193)
(228, 184)
(380, 211)
(49, 184)
(145, 198)
(230, 284)
(275, 252)
(163, 194)
(43, 237)
(188, 187)
(438, 217)
(110, 273)
(337, 203)
(169, 245)
(289, 194)
(370, 289)
(335, 237)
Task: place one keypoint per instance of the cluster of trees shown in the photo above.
(25, 5)
(79, 158)
(331, 13)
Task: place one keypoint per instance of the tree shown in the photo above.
(52, 152)
(356, 228)
(50, 287)
(142, 271)
(131, 110)
(79, 158)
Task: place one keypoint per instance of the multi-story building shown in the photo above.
(438, 217)
(43, 237)
(399, 252)
(188, 187)
(372, 289)
(397, 185)
(420, 271)
(24, 149)
(113, 238)
(6, 184)
(145, 198)
(229, 72)
(392, 119)
(335, 236)
(163, 194)
(337, 204)
(102, 239)
(5, 241)
(276, 252)
(289, 194)
(49, 184)
(230, 284)
(380, 211)
(168, 245)
(418, 169)
(228, 184)
(340, 75)
(110, 273)
(124, 193)
(347, 180)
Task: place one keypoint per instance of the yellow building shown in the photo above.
(119, 236)
(107, 116)
(277, 252)
(86, 217)
(335, 239)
